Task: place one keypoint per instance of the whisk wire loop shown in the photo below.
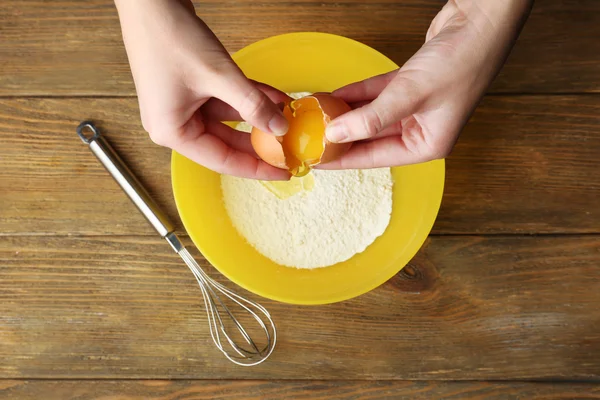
(215, 308)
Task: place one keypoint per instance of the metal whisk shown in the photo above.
(223, 323)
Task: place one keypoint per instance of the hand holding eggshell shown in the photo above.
(416, 114)
(187, 84)
(305, 144)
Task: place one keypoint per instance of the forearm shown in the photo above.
(503, 21)
(138, 16)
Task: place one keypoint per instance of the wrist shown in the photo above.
(503, 10)
(508, 5)
(497, 21)
(136, 7)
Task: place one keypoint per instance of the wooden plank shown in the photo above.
(467, 308)
(75, 48)
(292, 390)
(528, 165)
(525, 164)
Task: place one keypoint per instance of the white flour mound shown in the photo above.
(340, 217)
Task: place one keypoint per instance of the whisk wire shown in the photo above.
(218, 329)
(215, 321)
(210, 306)
(216, 309)
(215, 316)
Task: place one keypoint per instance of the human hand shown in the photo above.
(415, 114)
(187, 84)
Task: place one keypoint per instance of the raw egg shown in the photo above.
(305, 144)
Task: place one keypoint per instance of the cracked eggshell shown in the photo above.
(332, 108)
(269, 147)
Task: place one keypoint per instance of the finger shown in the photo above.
(365, 90)
(253, 105)
(389, 151)
(395, 129)
(401, 98)
(359, 104)
(408, 124)
(223, 150)
(220, 111)
(276, 95)
(212, 152)
(233, 138)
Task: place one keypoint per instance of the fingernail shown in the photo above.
(278, 125)
(336, 133)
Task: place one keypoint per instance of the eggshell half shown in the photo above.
(269, 148)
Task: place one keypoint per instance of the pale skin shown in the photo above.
(187, 83)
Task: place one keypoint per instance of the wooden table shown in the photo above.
(502, 302)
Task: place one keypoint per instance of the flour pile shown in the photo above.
(340, 217)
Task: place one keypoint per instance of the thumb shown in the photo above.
(253, 105)
(399, 99)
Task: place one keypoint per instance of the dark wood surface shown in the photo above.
(293, 390)
(505, 291)
(74, 47)
(467, 307)
(525, 164)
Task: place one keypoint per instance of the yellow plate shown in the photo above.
(293, 63)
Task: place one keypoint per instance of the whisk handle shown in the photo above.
(126, 179)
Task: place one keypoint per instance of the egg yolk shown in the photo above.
(303, 144)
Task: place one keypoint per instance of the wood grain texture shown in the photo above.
(123, 307)
(509, 308)
(75, 48)
(525, 164)
(293, 390)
